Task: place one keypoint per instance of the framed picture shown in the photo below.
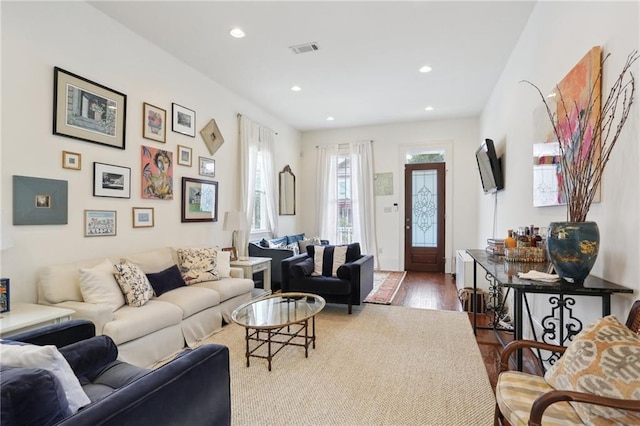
(4, 295)
(212, 137)
(207, 167)
(234, 253)
(38, 201)
(111, 181)
(154, 123)
(71, 160)
(142, 217)
(184, 155)
(157, 173)
(199, 200)
(88, 111)
(184, 120)
(100, 223)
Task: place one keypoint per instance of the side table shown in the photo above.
(253, 265)
(27, 316)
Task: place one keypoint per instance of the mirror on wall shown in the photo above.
(287, 192)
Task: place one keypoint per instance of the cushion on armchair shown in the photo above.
(327, 260)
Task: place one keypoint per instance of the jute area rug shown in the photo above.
(382, 365)
(385, 286)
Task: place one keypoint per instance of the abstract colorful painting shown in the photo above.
(157, 173)
(570, 98)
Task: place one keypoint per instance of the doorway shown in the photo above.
(424, 221)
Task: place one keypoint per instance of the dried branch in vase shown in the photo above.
(587, 133)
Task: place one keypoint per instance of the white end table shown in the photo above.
(27, 316)
(252, 265)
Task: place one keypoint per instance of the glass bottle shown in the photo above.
(510, 242)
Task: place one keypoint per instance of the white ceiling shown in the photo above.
(366, 71)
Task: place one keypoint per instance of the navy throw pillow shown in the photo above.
(166, 280)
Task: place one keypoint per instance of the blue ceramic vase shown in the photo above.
(573, 248)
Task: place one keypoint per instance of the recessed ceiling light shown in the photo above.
(329, 118)
(429, 108)
(296, 88)
(237, 33)
(425, 69)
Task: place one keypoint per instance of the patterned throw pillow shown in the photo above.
(327, 260)
(198, 265)
(604, 359)
(134, 283)
(294, 248)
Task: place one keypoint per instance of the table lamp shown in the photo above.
(236, 221)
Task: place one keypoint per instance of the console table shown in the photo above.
(505, 274)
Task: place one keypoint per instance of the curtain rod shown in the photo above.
(342, 145)
(240, 115)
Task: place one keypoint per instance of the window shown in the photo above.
(425, 157)
(260, 221)
(345, 215)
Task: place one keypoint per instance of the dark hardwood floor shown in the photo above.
(438, 291)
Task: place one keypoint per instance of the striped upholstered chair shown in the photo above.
(601, 362)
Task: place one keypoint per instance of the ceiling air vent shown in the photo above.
(304, 48)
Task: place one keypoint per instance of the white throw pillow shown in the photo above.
(199, 264)
(50, 359)
(134, 283)
(223, 259)
(99, 285)
(337, 256)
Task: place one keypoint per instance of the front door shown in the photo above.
(424, 217)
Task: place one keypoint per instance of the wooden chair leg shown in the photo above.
(498, 419)
(350, 306)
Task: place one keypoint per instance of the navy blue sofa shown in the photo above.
(193, 389)
(353, 283)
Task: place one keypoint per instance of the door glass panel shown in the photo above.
(424, 214)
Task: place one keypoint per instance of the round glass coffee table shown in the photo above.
(277, 321)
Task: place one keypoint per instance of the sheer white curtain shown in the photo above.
(249, 146)
(267, 147)
(362, 197)
(327, 195)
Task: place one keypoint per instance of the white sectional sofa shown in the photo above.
(161, 326)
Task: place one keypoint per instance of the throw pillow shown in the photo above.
(98, 285)
(302, 245)
(603, 359)
(166, 280)
(224, 264)
(294, 248)
(152, 261)
(134, 283)
(276, 245)
(295, 238)
(198, 265)
(50, 359)
(327, 260)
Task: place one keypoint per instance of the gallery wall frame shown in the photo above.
(184, 155)
(233, 255)
(184, 120)
(111, 181)
(212, 136)
(100, 223)
(154, 123)
(88, 111)
(199, 200)
(71, 160)
(5, 295)
(143, 217)
(157, 173)
(39, 201)
(207, 167)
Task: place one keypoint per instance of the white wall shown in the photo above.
(389, 142)
(78, 38)
(557, 36)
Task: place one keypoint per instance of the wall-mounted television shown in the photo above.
(490, 167)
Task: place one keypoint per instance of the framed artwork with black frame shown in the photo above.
(5, 296)
(199, 200)
(88, 111)
(111, 181)
(184, 120)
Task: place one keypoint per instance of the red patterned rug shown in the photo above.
(385, 286)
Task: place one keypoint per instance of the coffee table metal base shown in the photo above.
(280, 337)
